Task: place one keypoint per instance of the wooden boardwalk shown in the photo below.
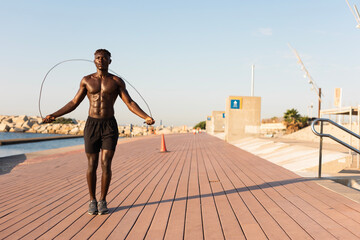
(203, 188)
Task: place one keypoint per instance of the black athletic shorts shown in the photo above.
(100, 134)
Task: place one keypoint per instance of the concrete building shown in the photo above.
(218, 121)
(243, 117)
(209, 125)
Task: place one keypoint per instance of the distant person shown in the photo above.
(101, 129)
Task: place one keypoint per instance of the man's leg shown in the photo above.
(93, 160)
(106, 159)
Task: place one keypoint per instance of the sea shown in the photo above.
(15, 149)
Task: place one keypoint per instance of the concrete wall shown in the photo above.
(218, 121)
(209, 124)
(243, 117)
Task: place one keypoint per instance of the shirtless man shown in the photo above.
(101, 129)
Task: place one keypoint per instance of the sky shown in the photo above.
(184, 57)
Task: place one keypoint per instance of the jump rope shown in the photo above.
(86, 60)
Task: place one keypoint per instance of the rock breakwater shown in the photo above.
(32, 124)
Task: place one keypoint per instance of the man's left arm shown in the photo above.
(133, 106)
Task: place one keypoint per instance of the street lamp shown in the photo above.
(310, 80)
(356, 14)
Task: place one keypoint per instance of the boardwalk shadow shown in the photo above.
(227, 192)
(8, 163)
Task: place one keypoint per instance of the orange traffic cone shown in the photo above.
(163, 147)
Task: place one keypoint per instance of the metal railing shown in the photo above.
(321, 135)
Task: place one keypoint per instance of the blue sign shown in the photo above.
(209, 118)
(235, 104)
(223, 115)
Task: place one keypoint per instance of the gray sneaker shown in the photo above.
(102, 205)
(93, 210)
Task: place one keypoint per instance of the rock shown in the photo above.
(36, 119)
(36, 127)
(42, 129)
(51, 131)
(31, 130)
(16, 129)
(11, 125)
(28, 124)
(67, 128)
(4, 127)
(56, 126)
(81, 126)
(7, 120)
(74, 131)
(21, 118)
(19, 122)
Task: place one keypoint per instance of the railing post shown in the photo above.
(320, 150)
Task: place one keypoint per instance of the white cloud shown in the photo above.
(266, 31)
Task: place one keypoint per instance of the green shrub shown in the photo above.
(62, 120)
(201, 125)
(294, 121)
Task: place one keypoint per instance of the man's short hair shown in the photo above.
(104, 51)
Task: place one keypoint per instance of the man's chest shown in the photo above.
(104, 86)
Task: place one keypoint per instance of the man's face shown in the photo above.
(102, 61)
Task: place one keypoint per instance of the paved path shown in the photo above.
(203, 188)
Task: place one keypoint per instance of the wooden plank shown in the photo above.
(230, 225)
(320, 203)
(126, 223)
(296, 213)
(193, 220)
(253, 196)
(211, 221)
(160, 220)
(25, 191)
(176, 222)
(248, 223)
(311, 207)
(145, 220)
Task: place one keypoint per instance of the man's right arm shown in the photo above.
(70, 106)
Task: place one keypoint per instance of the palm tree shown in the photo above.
(292, 116)
(294, 121)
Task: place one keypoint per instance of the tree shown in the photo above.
(201, 125)
(294, 121)
(291, 115)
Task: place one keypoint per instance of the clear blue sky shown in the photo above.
(185, 57)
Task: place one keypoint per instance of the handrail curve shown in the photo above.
(331, 136)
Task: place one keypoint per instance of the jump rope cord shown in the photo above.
(85, 60)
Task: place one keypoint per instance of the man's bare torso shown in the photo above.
(102, 93)
(102, 90)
